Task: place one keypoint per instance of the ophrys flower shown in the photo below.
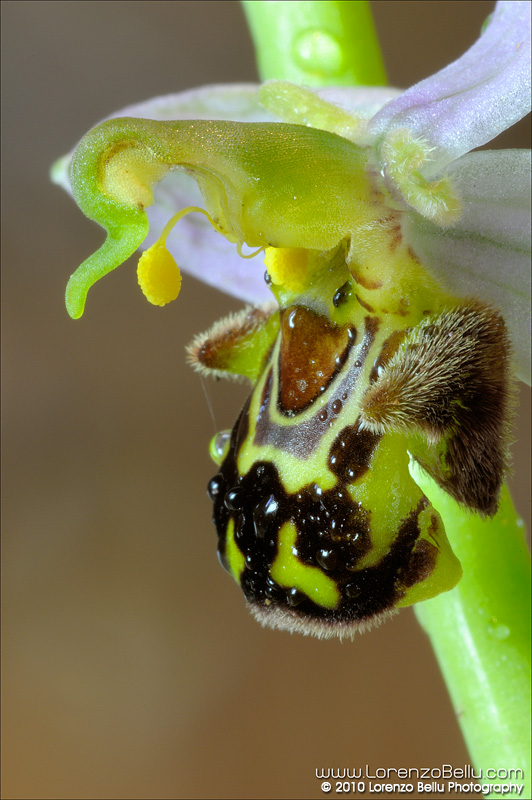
(378, 349)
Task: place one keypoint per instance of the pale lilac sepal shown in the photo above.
(239, 102)
(486, 254)
(233, 101)
(361, 100)
(475, 98)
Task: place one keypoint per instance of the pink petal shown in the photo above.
(486, 254)
(473, 99)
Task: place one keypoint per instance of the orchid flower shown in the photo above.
(397, 260)
(460, 108)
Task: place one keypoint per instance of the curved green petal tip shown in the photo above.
(113, 252)
(112, 174)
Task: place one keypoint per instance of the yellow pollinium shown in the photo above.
(287, 266)
(158, 275)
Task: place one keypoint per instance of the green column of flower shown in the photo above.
(480, 630)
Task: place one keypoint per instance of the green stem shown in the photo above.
(480, 632)
(318, 43)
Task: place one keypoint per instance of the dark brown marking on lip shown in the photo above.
(388, 349)
(351, 453)
(366, 282)
(396, 238)
(413, 255)
(301, 439)
(421, 564)
(364, 304)
(313, 350)
(403, 308)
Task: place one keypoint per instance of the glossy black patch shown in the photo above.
(364, 305)
(341, 296)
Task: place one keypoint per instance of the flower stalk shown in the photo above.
(480, 631)
(319, 43)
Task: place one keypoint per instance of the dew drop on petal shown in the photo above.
(219, 446)
(498, 631)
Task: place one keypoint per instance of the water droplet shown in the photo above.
(337, 406)
(250, 560)
(352, 591)
(235, 499)
(240, 528)
(263, 513)
(294, 597)
(267, 279)
(213, 488)
(327, 558)
(272, 591)
(342, 294)
(315, 491)
(498, 631)
(222, 560)
(322, 416)
(319, 51)
(219, 446)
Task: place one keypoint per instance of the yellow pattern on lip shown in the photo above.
(290, 573)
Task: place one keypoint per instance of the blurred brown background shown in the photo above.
(131, 668)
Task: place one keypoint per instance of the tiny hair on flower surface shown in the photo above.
(132, 650)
